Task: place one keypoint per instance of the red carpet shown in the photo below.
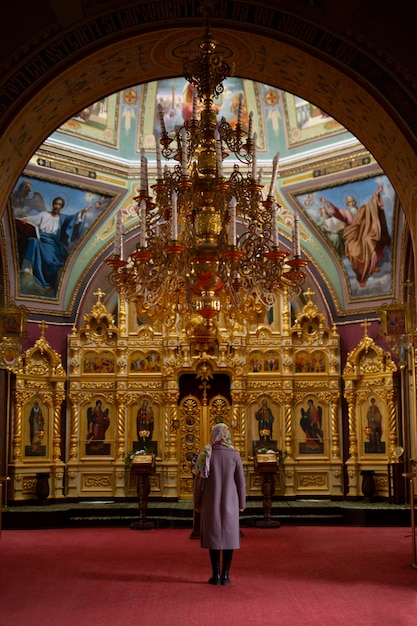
(299, 576)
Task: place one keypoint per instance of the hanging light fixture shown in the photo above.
(208, 242)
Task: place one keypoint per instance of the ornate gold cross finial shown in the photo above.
(43, 326)
(99, 294)
(365, 325)
(205, 387)
(309, 293)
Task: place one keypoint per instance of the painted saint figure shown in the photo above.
(311, 423)
(265, 419)
(145, 423)
(374, 427)
(46, 253)
(98, 423)
(37, 426)
(365, 234)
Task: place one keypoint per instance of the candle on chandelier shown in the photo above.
(296, 243)
(143, 172)
(275, 233)
(275, 162)
(121, 237)
(161, 121)
(218, 153)
(260, 174)
(142, 240)
(255, 137)
(240, 110)
(158, 160)
(118, 239)
(250, 125)
(232, 229)
(174, 216)
(184, 159)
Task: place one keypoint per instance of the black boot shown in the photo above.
(227, 560)
(215, 567)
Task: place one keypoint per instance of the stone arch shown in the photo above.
(126, 52)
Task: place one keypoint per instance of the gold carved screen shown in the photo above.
(196, 419)
(372, 413)
(36, 426)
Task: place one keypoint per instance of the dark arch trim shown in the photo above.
(92, 34)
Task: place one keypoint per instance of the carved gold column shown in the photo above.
(285, 313)
(121, 429)
(353, 438)
(73, 451)
(238, 417)
(205, 415)
(392, 423)
(239, 435)
(20, 399)
(289, 472)
(352, 462)
(56, 441)
(120, 468)
(171, 413)
(289, 433)
(122, 314)
(334, 426)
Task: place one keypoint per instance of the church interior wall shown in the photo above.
(131, 389)
(103, 478)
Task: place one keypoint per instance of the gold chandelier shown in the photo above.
(208, 243)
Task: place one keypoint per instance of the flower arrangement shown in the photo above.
(281, 456)
(132, 453)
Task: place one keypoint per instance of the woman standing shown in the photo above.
(219, 495)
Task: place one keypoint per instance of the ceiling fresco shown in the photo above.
(345, 216)
(92, 163)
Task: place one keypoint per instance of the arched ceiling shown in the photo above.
(79, 62)
(93, 160)
(151, 55)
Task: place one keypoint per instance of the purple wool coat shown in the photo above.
(219, 498)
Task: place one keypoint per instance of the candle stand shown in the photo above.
(143, 465)
(267, 465)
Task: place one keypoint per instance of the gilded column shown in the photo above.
(122, 315)
(288, 435)
(335, 435)
(285, 313)
(73, 451)
(56, 441)
(353, 439)
(171, 414)
(352, 462)
(239, 435)
(392, 423)
(17, 425)
(121, 429)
